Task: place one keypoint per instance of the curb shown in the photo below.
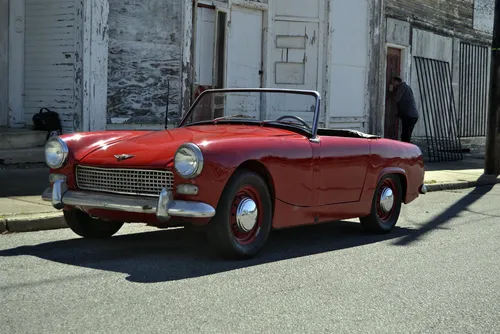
(3, 226)
(34, 222)
(483, 181)
(53, 221)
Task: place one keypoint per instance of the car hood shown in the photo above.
(156, 149)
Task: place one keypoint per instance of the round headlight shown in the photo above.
(56, 153)
(188, 161)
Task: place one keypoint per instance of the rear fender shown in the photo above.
(398, 171)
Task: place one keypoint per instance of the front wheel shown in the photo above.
(87, 227)
(244, 217)
(386, 206)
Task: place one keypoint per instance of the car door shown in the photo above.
(290, 162)
(341, 166)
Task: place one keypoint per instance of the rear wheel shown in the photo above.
(87, 227)
(244, 216)
(386, 206)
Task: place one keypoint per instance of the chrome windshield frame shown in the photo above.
(313, 93)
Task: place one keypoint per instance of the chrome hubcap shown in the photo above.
(386, 199)
(246, 215)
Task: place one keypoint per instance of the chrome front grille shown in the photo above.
(124, 181)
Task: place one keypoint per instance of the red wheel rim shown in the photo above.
(386, 198)
(247, 197)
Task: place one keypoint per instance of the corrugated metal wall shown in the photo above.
(50, 60)
(473, 96)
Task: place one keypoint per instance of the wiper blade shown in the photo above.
(279, 122)
(233, 117)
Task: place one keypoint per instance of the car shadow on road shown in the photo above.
(178, 254)
(453, 211)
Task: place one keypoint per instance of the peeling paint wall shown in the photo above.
(94, 36)
(187, 55)
(4, 62)
(450, 17)
(483, 15)
(145, 50)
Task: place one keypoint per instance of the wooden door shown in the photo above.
(393, 69)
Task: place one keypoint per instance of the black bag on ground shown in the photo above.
(47, 121)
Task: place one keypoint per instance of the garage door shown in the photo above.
(50, 62)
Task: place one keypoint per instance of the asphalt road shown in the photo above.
(439, 272)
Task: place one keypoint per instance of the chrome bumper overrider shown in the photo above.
(164, 207)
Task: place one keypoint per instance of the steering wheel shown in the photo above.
(296, 118)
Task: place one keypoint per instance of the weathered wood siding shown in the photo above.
(145, 50)
(51, 61)
(483, 15)
(455, 17)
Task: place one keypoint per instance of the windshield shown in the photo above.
(288, 107)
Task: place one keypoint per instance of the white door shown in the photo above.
(50, 63)
(244, 48)
(295, 50)
(244, 60)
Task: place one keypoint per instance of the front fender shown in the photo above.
(288, 162)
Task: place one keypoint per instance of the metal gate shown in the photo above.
(474, 89)
(438, 105)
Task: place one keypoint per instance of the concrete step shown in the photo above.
(21, 138)
(31, 155)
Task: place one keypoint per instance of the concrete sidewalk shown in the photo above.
(457, 175)
(22, 210)
(21, 206)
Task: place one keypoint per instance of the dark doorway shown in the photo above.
(220, 50)
(393, 69)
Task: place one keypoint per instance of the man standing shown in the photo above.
(407, 108)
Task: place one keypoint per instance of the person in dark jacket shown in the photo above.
(407, 108)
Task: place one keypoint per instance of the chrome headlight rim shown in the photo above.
(195, 149)
(64, 149)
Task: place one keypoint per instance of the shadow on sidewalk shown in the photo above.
(452, 212)
(179, 254)
(467, 163)
(23, 182)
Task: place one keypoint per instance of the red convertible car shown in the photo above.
(240, 163)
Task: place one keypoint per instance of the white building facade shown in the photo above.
(100, 63)
(111, 64)
(321, 45)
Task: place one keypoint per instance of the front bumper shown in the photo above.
(164, 207)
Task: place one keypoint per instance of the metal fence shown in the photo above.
(473, 96)
(438, 106)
